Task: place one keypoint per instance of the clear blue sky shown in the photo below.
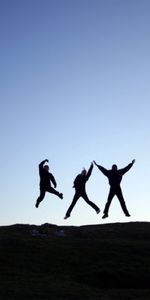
(75, 86)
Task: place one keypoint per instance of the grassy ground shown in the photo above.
(98, 262)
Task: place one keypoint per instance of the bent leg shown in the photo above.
(53, 191)
(40, 198)
(122, 202)
(109, 199)
(74, 201)
(93, 205)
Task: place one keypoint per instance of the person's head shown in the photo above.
(46, 168)
(114, 167)
(83, 173)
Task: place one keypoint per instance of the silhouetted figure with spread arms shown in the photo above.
(79, 185)
(115, 176)
(45, 182)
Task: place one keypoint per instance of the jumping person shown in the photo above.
(79, 185)
(115, 176)
(45, 182)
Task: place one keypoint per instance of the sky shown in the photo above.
(75, 88)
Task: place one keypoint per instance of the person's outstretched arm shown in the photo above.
(102, 169)
(42, 163)
(127, 168)
(89, 171)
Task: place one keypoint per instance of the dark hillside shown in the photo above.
(94, 262)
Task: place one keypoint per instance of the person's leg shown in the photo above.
(53, 191)
(93, 205)
(122, 202)
(74, 201)
(109, 199)
(40, 198)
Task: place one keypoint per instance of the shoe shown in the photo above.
(37, 204)
(105, 216)
(60, 195)
(66, 217)
(128, 215)
(98, 211)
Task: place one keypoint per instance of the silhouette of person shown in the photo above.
(45, 182)
(114, 177)
(80, 191)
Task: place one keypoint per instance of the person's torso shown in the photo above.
(45, 179)
(80, 182)
(114, 178)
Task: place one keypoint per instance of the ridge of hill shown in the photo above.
(108, 261)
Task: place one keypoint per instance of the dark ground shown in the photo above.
(96, 262)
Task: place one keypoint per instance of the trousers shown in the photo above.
(75, 199)
(44, 190)
(118, 192)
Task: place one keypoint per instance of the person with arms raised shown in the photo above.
(80, 191)
(45, 183)
(114, 177)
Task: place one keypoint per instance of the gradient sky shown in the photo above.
(75, 86)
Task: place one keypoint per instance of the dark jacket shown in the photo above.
(45, 177)
(115, 176)
(80, 180)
